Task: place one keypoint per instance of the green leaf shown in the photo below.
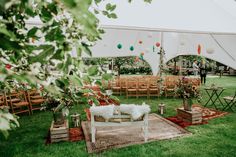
(108, 6)
(113, 7)
(93, 70)
(96, 11)
(53, 8)
(29, 11)
(59, 55)
(113, 15)
(86, 79)
(3, 30)
(44, 55)
(7, 44)
(55, 34)
(45, 14)
(97, 1)
(99, 83)
(32, 32)
(75, 80)
(66, 64)
(60, 84)
(70, 3)
(107, 76)
(105, 12)
(86, 49)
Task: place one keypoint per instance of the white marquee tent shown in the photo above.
(180, 26)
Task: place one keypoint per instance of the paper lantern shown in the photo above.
(199, 49)
(131, 48)
(8, 66)
(140, 42)
(119, 46)
(210, 50)
(136, 59)
(158, 44)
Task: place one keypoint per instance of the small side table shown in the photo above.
(189, 116)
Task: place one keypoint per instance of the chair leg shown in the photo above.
(227, 106)
(231, 105)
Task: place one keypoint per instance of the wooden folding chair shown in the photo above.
(2, 100)
(131, 88)
(18, 102)
(123, 85)
(169, 88)
(142, 88)
(230, 102)
(35, 100)
(154, 87)
(115, 86)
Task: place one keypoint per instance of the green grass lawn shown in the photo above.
(217, 138)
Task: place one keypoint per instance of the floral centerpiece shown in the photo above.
(187, 91)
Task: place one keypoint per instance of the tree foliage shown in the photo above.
(34, 52)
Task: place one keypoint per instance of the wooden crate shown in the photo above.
(190, 116)
(59, 133)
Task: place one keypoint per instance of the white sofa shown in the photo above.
(124, 115)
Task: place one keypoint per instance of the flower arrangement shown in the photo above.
(186, 90)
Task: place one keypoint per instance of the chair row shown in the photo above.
(147, 86)
(22, 101)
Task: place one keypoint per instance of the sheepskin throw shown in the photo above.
(136, 111)
(104, 111)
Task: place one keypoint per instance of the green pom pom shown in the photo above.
(119, 46)
(131, 48)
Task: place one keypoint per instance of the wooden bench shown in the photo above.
(119, 120)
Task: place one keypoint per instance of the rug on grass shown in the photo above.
(207, 114)
(116, 137)
(75, 134)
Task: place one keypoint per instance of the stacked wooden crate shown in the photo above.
(193, 116)
(59, 132)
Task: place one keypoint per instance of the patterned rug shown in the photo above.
(207, 114)
(117, 137)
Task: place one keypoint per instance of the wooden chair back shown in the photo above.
(18, 102)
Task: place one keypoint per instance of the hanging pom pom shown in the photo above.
(199, 49)
(136, 59)
(119, 46)
(131, 48)
(8, 66)
(158, 44)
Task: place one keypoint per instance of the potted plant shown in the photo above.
(59, 109)
(187, 92)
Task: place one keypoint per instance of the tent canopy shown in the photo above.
(180, 26)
